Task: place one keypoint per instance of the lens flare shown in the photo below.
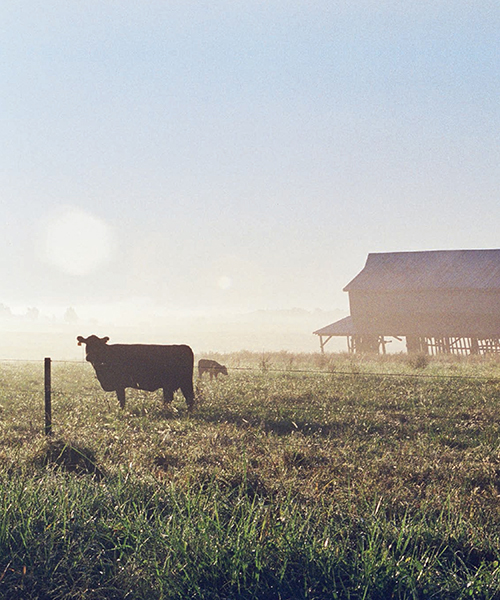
(77, 242)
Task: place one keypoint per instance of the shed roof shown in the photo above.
(343, 327)
(429, 270)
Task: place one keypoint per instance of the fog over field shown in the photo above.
(33, 334)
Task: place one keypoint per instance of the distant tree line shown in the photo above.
(33, 314)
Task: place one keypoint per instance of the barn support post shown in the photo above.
(323, 343)
(48, 397)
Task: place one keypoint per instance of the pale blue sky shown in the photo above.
(240, 155)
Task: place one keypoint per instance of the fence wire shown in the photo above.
(334, 372)
(286, 370)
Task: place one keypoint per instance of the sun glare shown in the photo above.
(77, 242)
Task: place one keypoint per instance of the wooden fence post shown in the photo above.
(48, 398)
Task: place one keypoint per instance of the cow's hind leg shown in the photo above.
(188, 391)
(120, 394)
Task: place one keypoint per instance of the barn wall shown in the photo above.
(432, 313)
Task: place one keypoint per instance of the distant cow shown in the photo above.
(212, 367)
(141, 366)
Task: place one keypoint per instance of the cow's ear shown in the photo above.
(80, 340)
(105, 339)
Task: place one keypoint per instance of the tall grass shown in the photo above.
(281, 484)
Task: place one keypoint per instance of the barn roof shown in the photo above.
(429, 270)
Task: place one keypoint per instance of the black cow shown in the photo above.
(210, 366)
(141, 366)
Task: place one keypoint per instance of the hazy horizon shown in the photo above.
(32, 334)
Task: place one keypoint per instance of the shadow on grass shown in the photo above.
(278, 426)
(361, 427)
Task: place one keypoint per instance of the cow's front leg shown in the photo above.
(120, 394)
(168, 396)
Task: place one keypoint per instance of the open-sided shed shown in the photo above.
(440, 301)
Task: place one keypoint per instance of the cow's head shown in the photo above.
(94, 347)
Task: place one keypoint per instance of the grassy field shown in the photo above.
(296, 477)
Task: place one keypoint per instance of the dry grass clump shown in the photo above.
(69, 457)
